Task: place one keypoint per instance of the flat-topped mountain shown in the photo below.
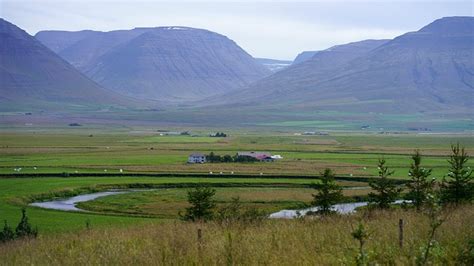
(166, 63)
(32, 75)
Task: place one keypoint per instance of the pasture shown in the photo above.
(146, 225)
(87, 151)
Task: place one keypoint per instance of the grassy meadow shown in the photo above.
(147, 152)
(143, 227)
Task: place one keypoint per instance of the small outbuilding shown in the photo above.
(197, 158)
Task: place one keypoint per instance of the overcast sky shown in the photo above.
(271, 29)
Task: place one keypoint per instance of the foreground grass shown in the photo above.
(273, 242)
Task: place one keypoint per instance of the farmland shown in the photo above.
(46, 164)
(146, 152)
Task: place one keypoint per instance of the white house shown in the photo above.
(197, 158)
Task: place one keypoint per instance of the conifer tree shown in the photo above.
(458, 184)
(7, 234)
(329, 193)
(24, 228)
(420, 184)
(202, 204)
(386, 191)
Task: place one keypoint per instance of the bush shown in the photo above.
(234, 212)
(202, 204)
(24, 228)
(7, 234)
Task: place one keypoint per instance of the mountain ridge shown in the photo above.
(429, 70)
(32, 73)
(151, 66)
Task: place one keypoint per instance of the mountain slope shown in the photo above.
(83, 48)
(167, 63)
(430, 70)
(298, 75)
(31, 74)
(304, 56)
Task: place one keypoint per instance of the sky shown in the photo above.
(267, 29)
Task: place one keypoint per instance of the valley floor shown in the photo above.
(142, 227)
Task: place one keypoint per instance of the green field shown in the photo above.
(76, 162)
(18, 192)
(148, 152)
(140, 151)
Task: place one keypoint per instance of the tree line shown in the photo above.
(456, 187)
(215, 158)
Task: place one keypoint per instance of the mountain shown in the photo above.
(302, 74)
(83, 48)
(32, 75)
(274, 65)
(430, 70)
(303, 56)
(176, 64)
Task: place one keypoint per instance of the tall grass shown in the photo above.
(317, 241)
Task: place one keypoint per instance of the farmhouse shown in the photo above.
(261, 156)
(197, 158)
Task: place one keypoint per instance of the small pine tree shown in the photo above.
(386, 191)
(420, 184)
(458, 185)
(433, 210)
(361, 234)
(7, 234)
(202, 204)
(329, 193)
(24, 228)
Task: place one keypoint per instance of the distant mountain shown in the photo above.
(301, 74)
(430, 70)
(32, 75)
(303, 56)
(83, 48)
(167, 63)
(274, 65)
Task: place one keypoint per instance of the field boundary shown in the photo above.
(191, 175)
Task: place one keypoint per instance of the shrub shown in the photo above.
(24, 228)
(7, 234)
(202, 204)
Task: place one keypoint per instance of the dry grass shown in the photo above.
(275, 242)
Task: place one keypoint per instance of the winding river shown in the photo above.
(69, 204)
